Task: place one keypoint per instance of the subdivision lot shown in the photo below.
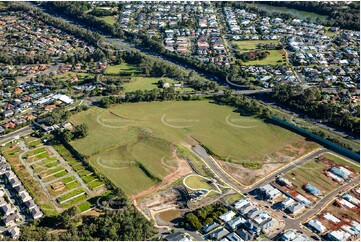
(125, 136)
(314, 173)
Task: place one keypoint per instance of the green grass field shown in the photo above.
(125, 134)
(122, 69)
(109, 19)
(197, 182)
(252, 44)
(148, 83)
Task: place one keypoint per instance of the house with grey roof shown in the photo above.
(20, 189)
(9, 220)
(14, 182)
(233, 237)
(235, 223)
(218, 234)
(7, 209)
(296, 208)
(245, 235)
(30, 204)
(209, 227)
(14, 232)
(36, 213)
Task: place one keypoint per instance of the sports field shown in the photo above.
(133, 143)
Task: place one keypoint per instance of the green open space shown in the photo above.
(275, 57)
(149, 83)
(122, 69)
(197, 182)
(70, 195)
(252, 44)
(74, 201)
(127, 135)
(109, 19)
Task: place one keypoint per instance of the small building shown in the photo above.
(331, 218)
(269, 192)
(218, 234)
(287, 202)
(235, 223)
(176, 237)
(245, 235)
(7, 209)
(296, 208)
(313, 190)
(36, 213)
(338, 235)
(227, 216)
(317, 226)
(14, 232)
(289, 235)
(9, 220)
(233, 237)
(209, 227)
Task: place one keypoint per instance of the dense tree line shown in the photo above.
(340, 14)
(117, 225)
(167, 94)
(244, 105)
(205, 215)
(309, 101)
(80, 131)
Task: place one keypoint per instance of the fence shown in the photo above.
(339, 149)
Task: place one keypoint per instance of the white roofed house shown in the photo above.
(338, 235)
(296, 208)
(227, 216)
(269, 192)
(317, 226)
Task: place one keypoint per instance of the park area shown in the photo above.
(135, 144)
(274, 57)
(150, 83)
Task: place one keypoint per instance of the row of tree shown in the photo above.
(341, 14)
(309, 101)
(116, 225)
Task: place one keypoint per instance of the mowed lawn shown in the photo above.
(148, 83)
(145, 132)
(109, 19)
(122, 69)
(197, 182)
(252, 44)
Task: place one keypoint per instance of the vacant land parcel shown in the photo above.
(133, 144)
